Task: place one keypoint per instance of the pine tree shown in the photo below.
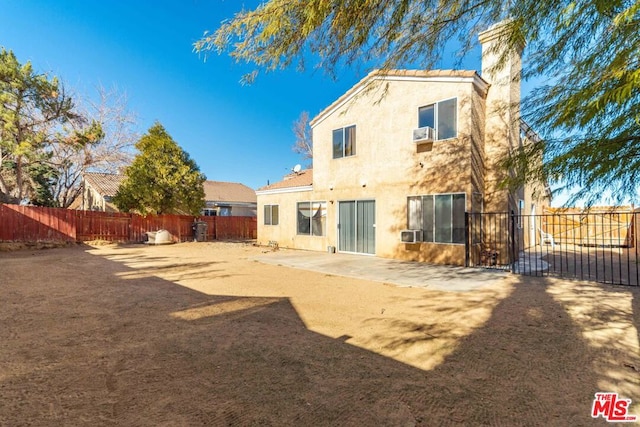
(35, 115)
(162, 179)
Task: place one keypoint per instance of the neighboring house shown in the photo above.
(98, 190)
(404, 150)
(229, 199)
(221, 198)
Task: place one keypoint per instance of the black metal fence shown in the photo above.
(599, 246)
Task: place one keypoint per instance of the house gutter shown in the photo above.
(285, 190)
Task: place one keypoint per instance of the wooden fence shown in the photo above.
(25, 223)
(39, 224)
(230, 227)
(598, 226)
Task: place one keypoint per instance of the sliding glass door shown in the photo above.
(356, 227)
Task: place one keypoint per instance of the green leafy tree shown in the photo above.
(35, 115)
(588, 52)
(162, 179)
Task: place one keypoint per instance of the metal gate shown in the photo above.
(600, 246)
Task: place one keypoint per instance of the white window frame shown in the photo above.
(413, 221)
(270, 216)
(354, 143)
(323, 211)
(521, 208)
(436, 116)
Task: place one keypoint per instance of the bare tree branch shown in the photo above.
(303, 143)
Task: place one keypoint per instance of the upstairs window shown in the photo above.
(441, 116)
(344, 142)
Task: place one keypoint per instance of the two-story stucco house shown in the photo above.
(403, 150)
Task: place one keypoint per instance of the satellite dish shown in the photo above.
(297, 168)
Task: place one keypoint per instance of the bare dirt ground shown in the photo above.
(200, 334)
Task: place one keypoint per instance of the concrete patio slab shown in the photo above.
(399, 273)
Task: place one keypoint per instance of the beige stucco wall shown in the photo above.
(388, 166)
(391, 166)
(386, 156)
(502, 127)
(92, 200)
(285, 233)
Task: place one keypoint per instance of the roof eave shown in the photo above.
(474, 78)
(284, 190)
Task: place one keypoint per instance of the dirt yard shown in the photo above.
(200, 334)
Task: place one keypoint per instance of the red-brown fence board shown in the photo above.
(109, 226)
(29, 223)
(210, 226)
(178, 225)
(137, 228)
(231, 227)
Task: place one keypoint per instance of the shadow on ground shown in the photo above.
(88, 341)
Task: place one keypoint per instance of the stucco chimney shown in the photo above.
(502, 110)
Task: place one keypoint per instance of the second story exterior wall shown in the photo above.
(386, 166)
(385, 110)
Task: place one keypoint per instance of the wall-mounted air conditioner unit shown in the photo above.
(424, 134)
(411, 236)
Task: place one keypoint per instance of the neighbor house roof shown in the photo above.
(104, 183)
(218, 191)
(304, 178)
(451, 76)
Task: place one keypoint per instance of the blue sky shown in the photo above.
(145, 49)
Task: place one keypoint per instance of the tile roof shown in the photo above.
(104, 183)
(424, 73)
(218, 191)
(301, 179)
(107, 185)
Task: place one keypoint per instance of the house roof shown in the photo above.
(106, 184)
(304, 178)
(218, 191)
(451, 76)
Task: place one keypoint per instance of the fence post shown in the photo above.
(467, 240)
(512, 236)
